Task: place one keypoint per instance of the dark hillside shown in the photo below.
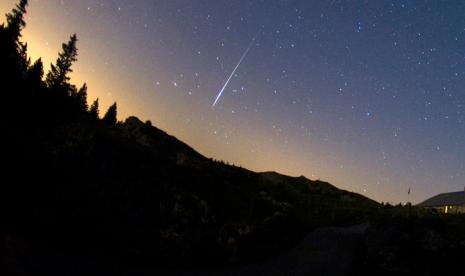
(129, 190)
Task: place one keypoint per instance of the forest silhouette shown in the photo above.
(82, 184)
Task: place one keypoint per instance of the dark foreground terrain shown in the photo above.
(356, 250)
(84, 194)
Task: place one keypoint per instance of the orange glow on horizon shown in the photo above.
(113, 74)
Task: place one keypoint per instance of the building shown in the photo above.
(447, 203)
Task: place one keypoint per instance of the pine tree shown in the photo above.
(58, 77)
(15, 52)
(94, 109)
(110, 115)
(35, 73)
(81, 97)
(15, 20)
(24, 62)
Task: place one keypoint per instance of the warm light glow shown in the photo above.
(370, 119)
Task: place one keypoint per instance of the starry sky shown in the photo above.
(368, 95)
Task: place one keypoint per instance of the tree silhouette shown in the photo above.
(94, 109)
(58, 77)
(81, 97)
(24, 62)
(15, 20)
(110, 115)
(13, 51)
(35, 73)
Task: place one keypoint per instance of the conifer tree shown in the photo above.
(94, 109)
(81, 97)
(35, 73)
(24, 62)
(58, 77)
(15, 20)
(15, 51)
(110, 115)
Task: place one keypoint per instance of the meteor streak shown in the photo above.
(220, 93)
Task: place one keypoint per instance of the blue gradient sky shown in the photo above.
(368, 95)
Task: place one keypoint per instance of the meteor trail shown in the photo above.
(220, 93)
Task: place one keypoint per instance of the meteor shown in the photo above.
(220, 93)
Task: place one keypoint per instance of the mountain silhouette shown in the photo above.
(128, 188)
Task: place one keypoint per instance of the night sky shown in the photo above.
(368, 95)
